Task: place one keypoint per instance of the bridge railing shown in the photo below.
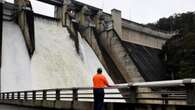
(180, 92)
(68, 94)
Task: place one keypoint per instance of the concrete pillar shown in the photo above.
(20, 15)
(69, 20)
(64, 11)
(84, 19)
(26, 23)
(113, 46)
(117, 21)
(58, 12)
(99, 20)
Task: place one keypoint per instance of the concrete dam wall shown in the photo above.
(40, 52)
(55, 63)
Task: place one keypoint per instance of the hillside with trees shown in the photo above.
(178, 53)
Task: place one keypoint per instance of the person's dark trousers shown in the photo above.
(98, 99)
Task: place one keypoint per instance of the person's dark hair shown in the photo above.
(99, 70)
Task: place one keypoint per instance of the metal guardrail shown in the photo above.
(71, 94)
(129, 93)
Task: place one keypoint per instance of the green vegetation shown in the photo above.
(179, 52)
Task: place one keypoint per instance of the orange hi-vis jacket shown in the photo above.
(99, 81)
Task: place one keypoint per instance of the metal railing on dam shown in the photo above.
(173, 92)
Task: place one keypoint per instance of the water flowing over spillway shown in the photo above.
(55, 63)
(15, 71)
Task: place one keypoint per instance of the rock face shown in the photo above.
(55, 63)
(179, 55)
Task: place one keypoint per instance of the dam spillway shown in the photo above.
(57, 58)
(55, 63)
(46, 61)
(62, 57)
(15, 70)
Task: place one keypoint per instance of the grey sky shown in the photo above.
(141, 11)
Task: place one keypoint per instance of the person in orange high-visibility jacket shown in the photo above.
(99, 82)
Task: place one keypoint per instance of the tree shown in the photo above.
(179, 51)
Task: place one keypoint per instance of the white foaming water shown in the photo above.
(91, 63)
(56, 64)
(90, 60)
(15, 71)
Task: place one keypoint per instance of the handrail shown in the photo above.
(166, 83)
(130, 93)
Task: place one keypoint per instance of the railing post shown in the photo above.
(7, 95)
(57, 94)
(75, 94)
(12, 95)
(34, 95)
(164, 98)
(25, 96)
(18, 95)
(44, 95)
(190, 89)
(132, 94)
(3, 96)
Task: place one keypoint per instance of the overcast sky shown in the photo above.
(141, 11)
